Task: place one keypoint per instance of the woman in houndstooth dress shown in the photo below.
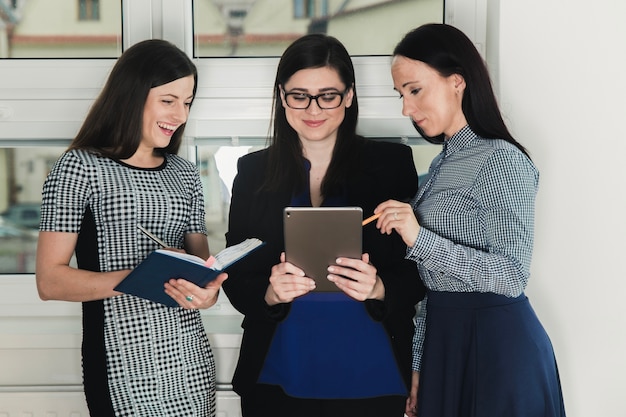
(139, 358)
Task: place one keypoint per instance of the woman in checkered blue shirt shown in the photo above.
(479, 349)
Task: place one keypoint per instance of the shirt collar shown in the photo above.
(459, 140)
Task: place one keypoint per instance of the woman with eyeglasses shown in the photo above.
(308, 353)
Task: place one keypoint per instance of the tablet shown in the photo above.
(316, 236)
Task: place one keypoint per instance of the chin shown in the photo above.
(160, 144)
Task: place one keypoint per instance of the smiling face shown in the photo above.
(432, 101)
(166, 109)
(314, 123)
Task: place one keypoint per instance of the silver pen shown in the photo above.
(151, 236)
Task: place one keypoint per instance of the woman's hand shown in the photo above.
(287, 282)
(189, 295)
(399, 217)
(357, 278)
(411, 402)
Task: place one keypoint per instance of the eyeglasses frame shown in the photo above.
(311, 98)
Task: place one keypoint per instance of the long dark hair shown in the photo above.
(449, 51)
(286, 161)
(113, 126)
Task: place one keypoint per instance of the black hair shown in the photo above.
(449, 51)
(286, 161)
(113, 126)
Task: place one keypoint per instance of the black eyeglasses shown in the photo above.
(325, 101)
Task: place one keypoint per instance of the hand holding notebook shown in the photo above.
(148, 278)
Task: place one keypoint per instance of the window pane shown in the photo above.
(22, 173)
(61, 29)
(24, 169)
(218, 167)
(265, 27)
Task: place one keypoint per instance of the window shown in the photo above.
(24, 168)
(266, 28)
(302, 9)
(217, 163)
(22, 173)
(43, 101)
(88, 9)
(61, 29)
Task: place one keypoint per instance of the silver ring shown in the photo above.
(189, 298)
(395, 215)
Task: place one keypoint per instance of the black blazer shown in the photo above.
(387, 171)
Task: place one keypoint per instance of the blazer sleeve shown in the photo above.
(391, 175)
(254, 214)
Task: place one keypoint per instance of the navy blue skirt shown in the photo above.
(486, 355)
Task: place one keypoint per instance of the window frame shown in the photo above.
(44, 101)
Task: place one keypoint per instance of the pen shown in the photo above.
(371, 218)
(151, 236)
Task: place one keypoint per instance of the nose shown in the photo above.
(407, 108)
(181, 111)
(314, 107)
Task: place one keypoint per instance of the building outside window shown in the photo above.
(267, 27)
(38, 119)
(88, 9)
(60, 29)
(55, 56)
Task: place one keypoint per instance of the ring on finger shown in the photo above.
(189, 298)
(395, 215)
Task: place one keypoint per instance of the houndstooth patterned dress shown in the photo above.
(139, 358)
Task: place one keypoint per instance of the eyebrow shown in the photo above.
(175, 96)
(321, 90)
(409, 82)
(404, 85)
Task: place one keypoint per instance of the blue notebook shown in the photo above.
(148, 278)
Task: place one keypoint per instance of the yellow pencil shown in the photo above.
(371, 218)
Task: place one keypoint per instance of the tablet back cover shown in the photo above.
(316, 236)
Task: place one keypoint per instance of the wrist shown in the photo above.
(378, 292)
(270, 297)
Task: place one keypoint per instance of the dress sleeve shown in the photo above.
(197, 222)
(65, 195)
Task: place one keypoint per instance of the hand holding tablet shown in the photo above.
(316, 236)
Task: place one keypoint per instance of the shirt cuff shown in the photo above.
(278, 312)
(423, 246)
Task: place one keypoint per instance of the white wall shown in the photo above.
(562, 76)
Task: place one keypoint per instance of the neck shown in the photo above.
(145, 159)
(318, 153)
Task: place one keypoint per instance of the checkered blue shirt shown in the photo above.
(476, 212)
